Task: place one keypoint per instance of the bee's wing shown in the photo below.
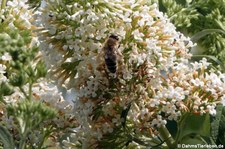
(110, 56)
(100, 55)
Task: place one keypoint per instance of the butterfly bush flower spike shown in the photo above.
(154, 81)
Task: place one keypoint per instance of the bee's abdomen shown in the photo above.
(111, 63)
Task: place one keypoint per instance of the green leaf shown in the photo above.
(34, 4)
(70, 65)
(41, 69)
(216, 122)
(18, 79)
(6, 89)
(30, 71)
(194, 124)
(124, 114)
(6, 138)
(97, 112)
(172, 127)
(182, 2)
(205, 32)
(193, 140)
(221, 135)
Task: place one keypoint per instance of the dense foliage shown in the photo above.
(202, 19)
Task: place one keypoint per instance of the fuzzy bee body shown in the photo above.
(111, 63)
(110, 49)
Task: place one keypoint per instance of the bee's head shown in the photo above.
(114, 37)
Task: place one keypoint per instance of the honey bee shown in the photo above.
(111, 52)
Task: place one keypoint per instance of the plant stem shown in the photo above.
(22, 142)
(166, 136)
(3, 4)
(25, 94)
(30, 91)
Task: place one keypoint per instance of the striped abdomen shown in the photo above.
(111, 62)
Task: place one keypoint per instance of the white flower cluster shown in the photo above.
(154, 81)
(72, 40)
(191, 89)
(18, 11)
(48, 93)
